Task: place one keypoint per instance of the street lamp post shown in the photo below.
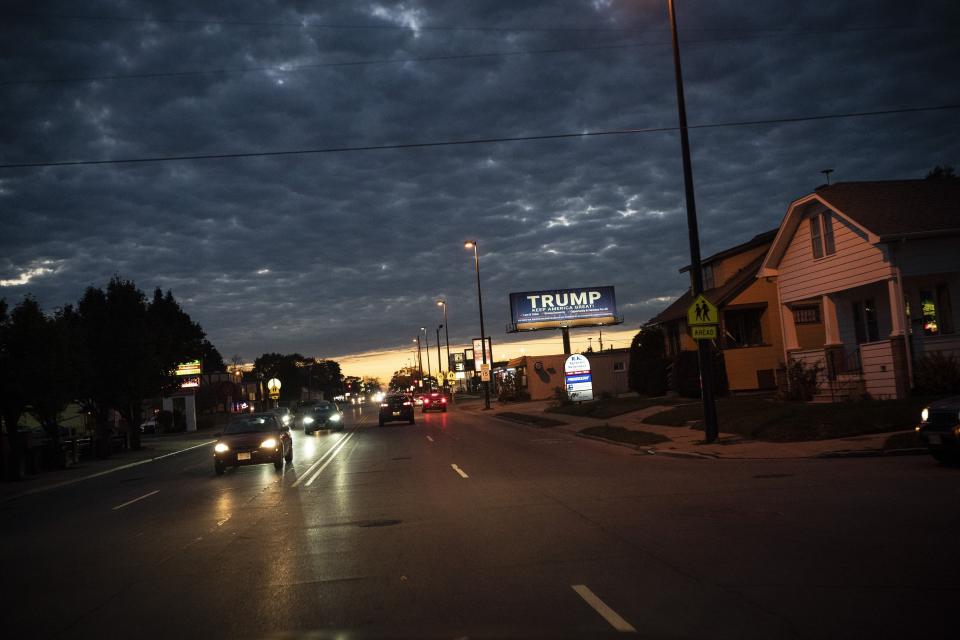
(419, 359)
(703, 346)
(472, 244)
(446, 328)
(439, 368)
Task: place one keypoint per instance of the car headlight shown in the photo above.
(334, 418)
(285, 419)
(220, 447)
(308, 420)
(925, 414)
(269, 443)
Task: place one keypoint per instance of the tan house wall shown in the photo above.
(743, 363)
(856, 262)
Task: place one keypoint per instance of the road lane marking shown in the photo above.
(429, 438)
(130, 502)
(601, 607)
(320, 459)
(333, 455)
(459, 470)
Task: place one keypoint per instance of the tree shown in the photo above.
(403, 379)
(14, 354)
(648, 362)
(212, 360)
(942, 173)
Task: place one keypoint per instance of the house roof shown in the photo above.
(885, 210)
(898, 208)
(719, 296)
(761, 238)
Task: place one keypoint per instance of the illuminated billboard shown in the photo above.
(555, 308)
(191, 368)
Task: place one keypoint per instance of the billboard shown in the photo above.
(554, 308)
(457, 362)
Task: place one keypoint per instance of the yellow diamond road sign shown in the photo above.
(702, 312)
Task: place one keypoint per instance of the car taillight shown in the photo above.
(444, 401)
(407, 404)
(426, 401)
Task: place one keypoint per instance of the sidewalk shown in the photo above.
(688, 443)
(154, 447)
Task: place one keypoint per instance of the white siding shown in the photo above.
(855, 263)
(879, 376)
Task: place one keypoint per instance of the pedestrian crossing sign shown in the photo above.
(702, 312)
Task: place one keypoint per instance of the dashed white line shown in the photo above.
(601, 607)
(130, 502)
(429, 438)
(459, 470)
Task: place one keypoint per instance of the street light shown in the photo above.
(472, 244)
(446, 327)
(439, 368)
(419, 358)
(703, 346)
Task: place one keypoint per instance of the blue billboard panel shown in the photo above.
(563, 308)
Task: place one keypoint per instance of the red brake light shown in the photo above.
(426, 401)
(444, 401)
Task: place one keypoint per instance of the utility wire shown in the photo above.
(473, 141)
(307, 25)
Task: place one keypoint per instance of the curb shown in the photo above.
(684, 454)
(635, 447)
(872, 453)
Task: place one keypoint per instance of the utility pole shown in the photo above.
(704, 347)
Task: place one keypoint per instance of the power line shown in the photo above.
(474, 141)
(307, 25)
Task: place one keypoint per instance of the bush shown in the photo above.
(802, 382)
(937, 374)
(649, 365)
(511, 390)
(684, 376)
(560, 398)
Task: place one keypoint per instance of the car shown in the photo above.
(434, 401)
(321, 415)
(396, 407)
(252, 438)
(149, 425)
(939, 430)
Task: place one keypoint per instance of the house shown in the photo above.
(878, 263)
(750, 333)
(542, 375)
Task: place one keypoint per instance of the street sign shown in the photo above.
(485, 372)
(577, 377)
(702, 312)
(704, 332)
(451, 377)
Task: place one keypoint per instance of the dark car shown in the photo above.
(253, 438)
(395, 408)
(434, 401)
(940, 430)
(322, 415)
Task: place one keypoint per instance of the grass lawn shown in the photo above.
(765, 419)
(620, 434)
(612, 406)
(525, 418)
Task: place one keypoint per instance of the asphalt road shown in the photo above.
(463, 525)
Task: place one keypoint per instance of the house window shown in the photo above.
(742, 328)
(829, 246)
(709, 282)
(806, 315)
(865, 325)
(945, 308)
(815, 238)
(936, 311)
(618, 366)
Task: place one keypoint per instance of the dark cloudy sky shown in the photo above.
(340, 253)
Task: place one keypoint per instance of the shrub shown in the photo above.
(936, 373)
(802, 382)
(511, 390)
(684, 376)
(649, 365)
(165, 421)
(560, 398)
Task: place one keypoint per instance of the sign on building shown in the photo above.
(577, 377)
(478, 355)
(457, 362)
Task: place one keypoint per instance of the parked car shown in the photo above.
(940, 430)
(434, 401)
(322, 415)
(396, 407)
(253, 438)
(149, 425)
